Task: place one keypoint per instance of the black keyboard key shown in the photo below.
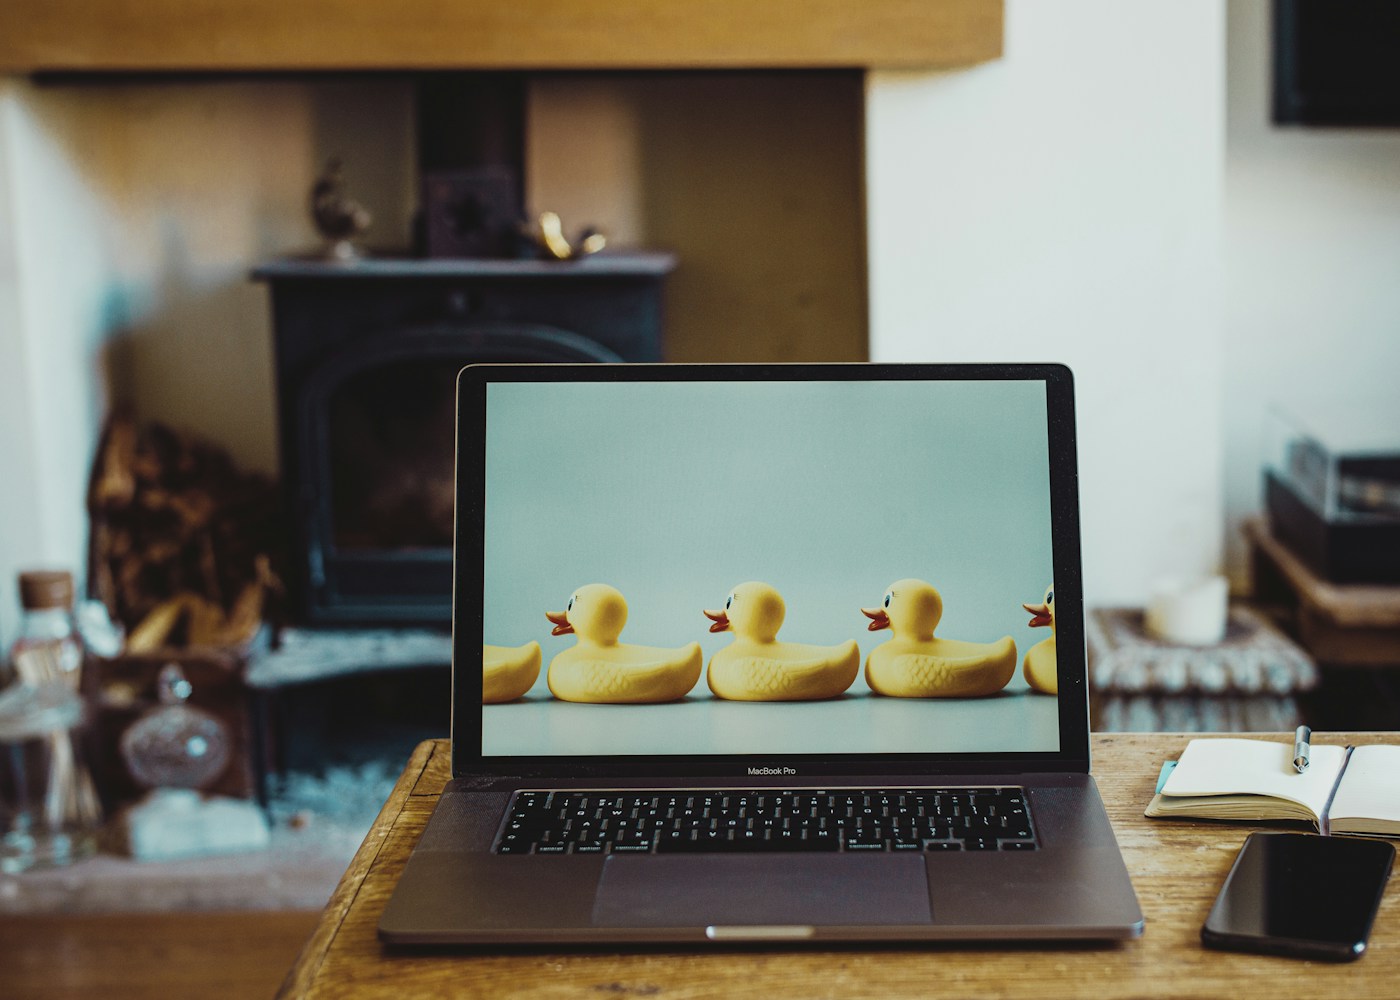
(861, 844)
(667, 846)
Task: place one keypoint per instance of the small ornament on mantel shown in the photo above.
(553, 245)
(338, 217)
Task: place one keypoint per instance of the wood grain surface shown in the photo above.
(251, 35)
(212, 956)
(1176, 866)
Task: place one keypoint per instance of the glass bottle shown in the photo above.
(49, 810)
(48, 648)
(176, 745)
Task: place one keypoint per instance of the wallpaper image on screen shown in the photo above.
(766, 568)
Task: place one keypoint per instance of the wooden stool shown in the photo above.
(1339, 624)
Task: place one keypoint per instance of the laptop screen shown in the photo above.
(766, 565)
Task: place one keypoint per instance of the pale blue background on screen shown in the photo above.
(673, 492)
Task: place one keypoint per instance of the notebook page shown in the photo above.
(1255, 767)
(1371, 788)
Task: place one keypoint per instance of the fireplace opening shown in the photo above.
(390, 451)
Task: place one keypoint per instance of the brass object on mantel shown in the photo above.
(556, 245)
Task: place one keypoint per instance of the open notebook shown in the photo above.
(1344, 789)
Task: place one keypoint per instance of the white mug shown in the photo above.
(1189, 613)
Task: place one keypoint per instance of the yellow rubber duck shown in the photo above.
(757, 667)
(913, 664)
(507, 672)
(600, 670)
(1041, 669)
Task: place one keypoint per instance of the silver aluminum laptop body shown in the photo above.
(673, 484)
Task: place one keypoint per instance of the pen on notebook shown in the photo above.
(1301, 748)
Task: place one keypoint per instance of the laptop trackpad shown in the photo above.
(768, 889)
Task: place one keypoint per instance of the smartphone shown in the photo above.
(1301, 894)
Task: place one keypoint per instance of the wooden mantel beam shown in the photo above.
(325, 35)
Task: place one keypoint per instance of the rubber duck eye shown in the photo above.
(728, 601)
(887, 599)
(571, 605)
(1050, 597)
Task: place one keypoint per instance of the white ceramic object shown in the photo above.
(1189, 613)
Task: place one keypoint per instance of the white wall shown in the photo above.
(52, 392)
(1063, 204)
(1312, 227)
(19, 515)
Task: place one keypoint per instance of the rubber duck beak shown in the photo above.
(720, 619)
(561, 622)
(878, 618)
(1041, 613)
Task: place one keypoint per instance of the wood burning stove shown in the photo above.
(367, 355)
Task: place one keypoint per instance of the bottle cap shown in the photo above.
(40, 590)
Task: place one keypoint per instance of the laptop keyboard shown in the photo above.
(720, 820)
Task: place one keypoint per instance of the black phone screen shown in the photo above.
(1301, 894)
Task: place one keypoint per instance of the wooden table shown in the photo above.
(1176, 866)
(137, 956)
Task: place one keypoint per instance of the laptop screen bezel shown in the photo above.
(468, 757)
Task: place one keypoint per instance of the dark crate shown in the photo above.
(1357, 549)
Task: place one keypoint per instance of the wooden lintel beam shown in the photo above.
(327, 35)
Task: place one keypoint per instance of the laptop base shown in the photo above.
(454, 890)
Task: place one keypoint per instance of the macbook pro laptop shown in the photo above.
(766, 653)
